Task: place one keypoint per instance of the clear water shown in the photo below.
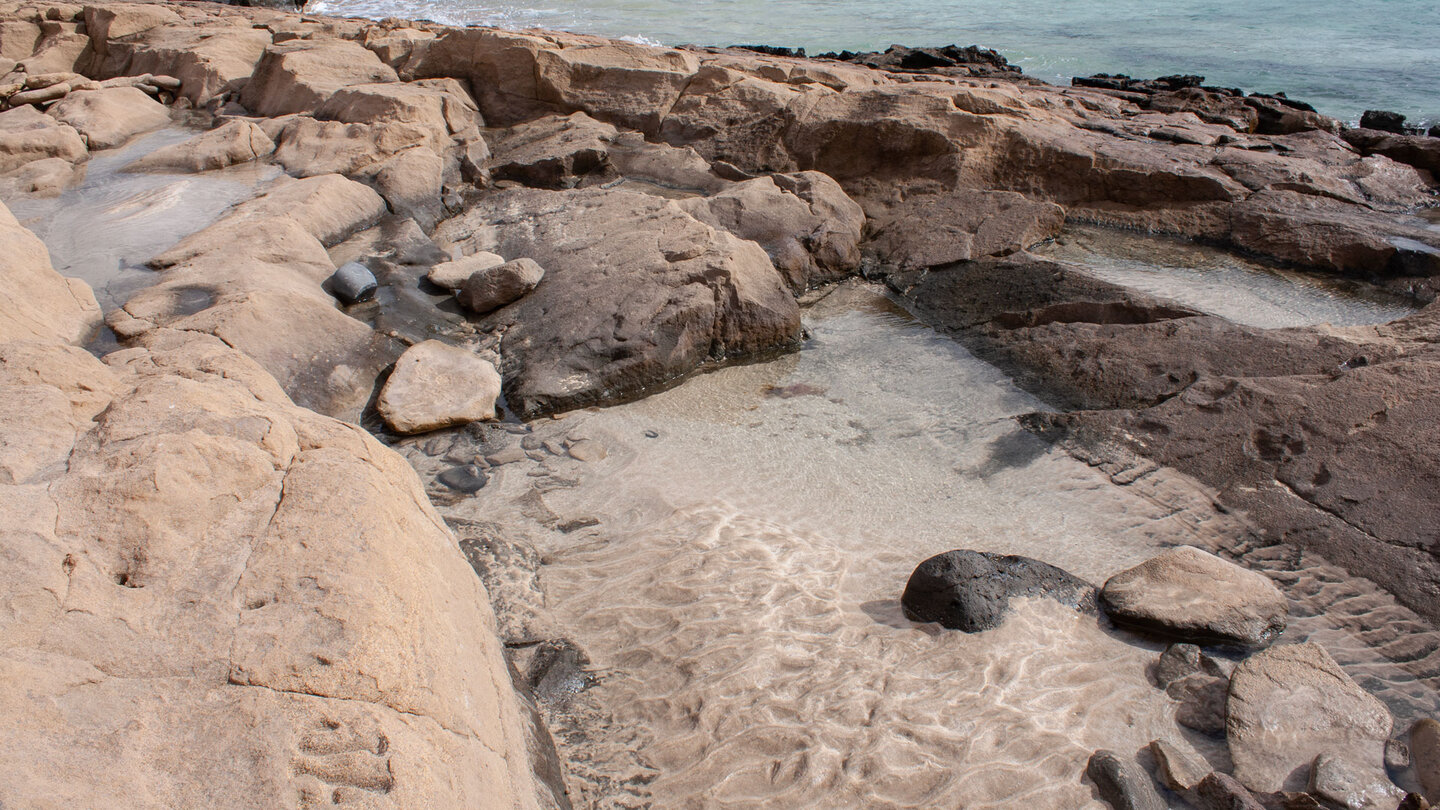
(1343, 56)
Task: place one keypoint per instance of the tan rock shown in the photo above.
(62, 51)
(441, 106)
(47, 177)
(263, 237)
(437, 385)
(109, 117)
(38, 303)
(1179, 769)
(1425, 753)
(412, 183)
(120, 21)
(930, 231)
(452, 275)
(328, 207)
(27, 135)
(299, 76)
(18, 39)
(226, 145)
(307, 147)
(1291, 703)
(629, 85)
(207, 58)
(494, 287)
(1327, 233)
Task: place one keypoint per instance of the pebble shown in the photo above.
(1177, 769)
(508, 455)
(466, 478)
(588, 450)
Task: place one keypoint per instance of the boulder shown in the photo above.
(1384, 121)
(1415, 150)
(636, 294)
(1176, 768)
(1220, 791)
(452, 275)
(109, 117)
(61, 51)
(1340, 782)
(441, 106)
(39, 303)
(1333, 235)
(971, 590)
(227, 145)
(306, 147)
(1195, 596)
(120, 21)
(807, 224)
(328, 207)
(1122, 783)
(436, 385)
(28, 135)
(1425, 754)
(209, 59)
(412, 183)
(299, 76)
(1289, 704)
(495, 287)
(47, 177)
(555, 152)
(632, 86)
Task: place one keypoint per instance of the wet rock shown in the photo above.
(1219, 791)
(436, 385)
(1181, 660)
(491, 288)
(1177, 769)
(1193, 595)
(1420, 152)
(971, 590)
(1425, 753)
(1122, 783)
(1291, 703)
(587, 450)
(227, 145)
(1339, 781)
(328, 207)
(647, 295)
(949, 59)
(353, 283)
(300, 76)
(108, 118)
(39, 303)
(1202, 702)
(929, 231)
(508, 455)
(452, 275)
(1331, 234)
(1383, 120)
(467, 478)
(1414, 801)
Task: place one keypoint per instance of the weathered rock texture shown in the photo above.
(436, 385)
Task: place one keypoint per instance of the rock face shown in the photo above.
(971, 590)
(39, 304)
(1195, 596)
(110, 117)
(491, 288)
(1292, 703)
(636, 294)
(436, 385)
(1425, 753)
(226, 145)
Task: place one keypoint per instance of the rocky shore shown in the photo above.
(226, 591)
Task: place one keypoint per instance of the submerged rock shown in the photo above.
(1425, 754)
(1177, 769)
(1122, 783)
(971, 590)
(226, 145)
(107, 118)
(1193, 595)
(352, 283)
(1220, 791)
(436, 385)
(1289, 704)
(1340, 782)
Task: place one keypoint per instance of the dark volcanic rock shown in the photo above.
(971, 590)
(1122, 783)
(970, 59)
(1384, 121)
(1417, 150)
(1120, 81)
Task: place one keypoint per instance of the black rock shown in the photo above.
(1122, 783)
(1119, 81)
(971, 59)
(465, 478)
(1384, 121)
(352, 283)
(772, 50)
(1220, 791)
(971, 590)
(1434, 131)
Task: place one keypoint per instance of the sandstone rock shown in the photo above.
(636, 293)
(328, 207)
(436, 385)
(452, 275)
(1425, 753)
(306, 147)
(495, 287)
(1202, 701)
(18, 39)
(1330, 234)
(266, 237)
(587, 450)
(1194, 595)
(27, 135)
(1414, 801)
(555, 152)
(1338, 781)
(1420, 152)
(1291, 703)
(209, 59)
(117, 21)
(440, 106)
(300, 76)
(108, 118)
(47, 177)
(412, 183)
(971, 590)
(629, 85)
(926, 232)
(226, 145)
(1219, 791)
(807, 224)
(1122, 783)
(63, 50)
(1182, 660)
(1176, 768)
(38, 303)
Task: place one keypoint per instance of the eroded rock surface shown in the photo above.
(436, 385)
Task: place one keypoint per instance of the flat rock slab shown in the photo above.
(107, 118)
(1289, 704)
(452, 275)
(436, 385)
(1194, 596)
(971, 590)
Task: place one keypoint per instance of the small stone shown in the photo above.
(1414, 801)
(1425, 754)
(1177, 769)
(453, 275)
(1397, 755)
(588, 450)
(1122, 783)
(1195, 596)
(1343, 783)
(556, 447)
(437, 385)
(1180, 660)
(578, 523)
(353, 283)
(1220, 791)
(971, 590)
(467, 478)
(651, 434)
(508, 455)
(1202, 702)
(489, 290)
(531, 442)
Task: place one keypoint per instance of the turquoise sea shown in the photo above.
(1343, 56)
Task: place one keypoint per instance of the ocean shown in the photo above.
(1342, 56)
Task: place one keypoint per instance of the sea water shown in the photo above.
(1342, 56)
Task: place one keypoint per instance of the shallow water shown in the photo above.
(1222, 283)
(104, 229)
(752, 530)
(1343, 56)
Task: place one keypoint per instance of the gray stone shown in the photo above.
(1195, 596)
(487, 290)
(1177, 769)
(1219, 791)
(1341, 782)
(1122, 783)
(971, 590)
(353, 283)
(467, 478)
(588, 450)
(1425, 754)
